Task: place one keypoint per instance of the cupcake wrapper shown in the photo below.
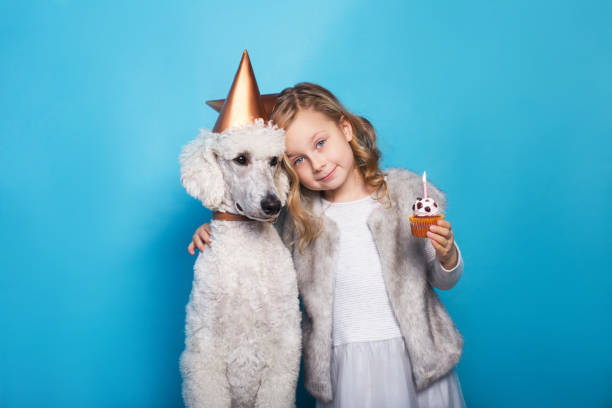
(420, 225)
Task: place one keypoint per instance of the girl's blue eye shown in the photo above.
(320, 142)
(298, 160)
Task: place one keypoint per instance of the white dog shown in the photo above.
(243, 338)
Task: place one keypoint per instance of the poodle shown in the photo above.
(243, 337)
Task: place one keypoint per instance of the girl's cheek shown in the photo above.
(306, 179)
(300, 174)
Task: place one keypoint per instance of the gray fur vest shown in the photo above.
(434, 344)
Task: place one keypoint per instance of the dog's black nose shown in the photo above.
(270, 204)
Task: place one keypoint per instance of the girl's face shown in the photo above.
(319, 150)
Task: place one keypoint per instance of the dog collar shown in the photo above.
(225, 216)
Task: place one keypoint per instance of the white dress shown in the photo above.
(370, 366)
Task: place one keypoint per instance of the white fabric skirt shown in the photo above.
(377, 374)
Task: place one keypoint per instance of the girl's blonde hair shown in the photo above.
(305, 96)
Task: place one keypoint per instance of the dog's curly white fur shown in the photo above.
(243, 339)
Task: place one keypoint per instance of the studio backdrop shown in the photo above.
(506, 105)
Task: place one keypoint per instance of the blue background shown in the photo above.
(505, 104)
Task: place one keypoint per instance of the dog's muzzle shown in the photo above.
(271, 204)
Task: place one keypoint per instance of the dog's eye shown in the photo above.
(274, 161)
(242, 160)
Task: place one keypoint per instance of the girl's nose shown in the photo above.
(317, 164)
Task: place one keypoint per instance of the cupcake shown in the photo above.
(425, 212)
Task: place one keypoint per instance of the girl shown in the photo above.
(375, 333)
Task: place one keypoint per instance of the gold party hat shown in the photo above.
(268, 101)
(243, 103)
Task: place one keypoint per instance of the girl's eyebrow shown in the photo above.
(315, 134)
(289, 155)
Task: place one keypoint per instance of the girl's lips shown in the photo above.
(329, 175)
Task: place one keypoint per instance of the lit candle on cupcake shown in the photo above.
(425, 212)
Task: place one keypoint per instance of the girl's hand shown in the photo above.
(201, 237)
(441, 237)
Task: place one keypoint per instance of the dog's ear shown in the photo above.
(281, 180)
(200, 172)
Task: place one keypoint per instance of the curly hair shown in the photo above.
(309, 96)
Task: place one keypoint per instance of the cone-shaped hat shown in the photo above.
(243, 104)
(268, 101)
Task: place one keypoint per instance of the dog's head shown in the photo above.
(238, 171)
